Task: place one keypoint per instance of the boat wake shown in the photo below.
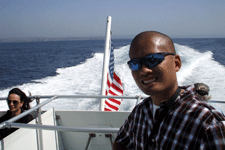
(85, 78)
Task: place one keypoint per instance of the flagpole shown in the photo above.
(105, 61)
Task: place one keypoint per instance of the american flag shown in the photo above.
(113, 87)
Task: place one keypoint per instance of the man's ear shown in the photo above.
(178, 63)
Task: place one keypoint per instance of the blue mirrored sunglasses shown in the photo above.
(150, 61)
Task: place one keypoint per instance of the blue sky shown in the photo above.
(74, 18)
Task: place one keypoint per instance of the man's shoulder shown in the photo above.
(199, 109)
(145, 104)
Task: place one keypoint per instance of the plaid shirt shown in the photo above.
(190, 124)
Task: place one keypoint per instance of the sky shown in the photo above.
(87, 18)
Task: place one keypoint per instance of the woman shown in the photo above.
(203, 92)
(17, 102)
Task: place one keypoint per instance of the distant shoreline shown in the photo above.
(47, 39)
(42, 39)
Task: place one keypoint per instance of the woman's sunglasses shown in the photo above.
(14, 102)
(150, 61)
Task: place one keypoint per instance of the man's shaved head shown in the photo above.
(152, 39)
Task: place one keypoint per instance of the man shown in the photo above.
(183, 121)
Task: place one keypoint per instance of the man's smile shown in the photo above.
(149, 80)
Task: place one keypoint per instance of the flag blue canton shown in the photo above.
(111, 63)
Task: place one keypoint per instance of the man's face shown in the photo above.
(159, 79)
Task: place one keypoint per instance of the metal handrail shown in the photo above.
(94, 96)
(9, 123)
(216, 101)
(65, 129)
(78, 96)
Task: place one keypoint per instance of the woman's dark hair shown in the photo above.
(23, 98)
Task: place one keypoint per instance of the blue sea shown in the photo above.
(75, 67)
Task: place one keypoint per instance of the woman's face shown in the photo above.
(14, 102)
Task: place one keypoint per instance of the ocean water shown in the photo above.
(75, 67)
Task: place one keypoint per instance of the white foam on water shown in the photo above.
(85, 78)
(201, 67)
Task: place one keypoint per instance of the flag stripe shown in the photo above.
(111, 106)
(115, 101)
(112, 93)
(106, 109)
(117, 88)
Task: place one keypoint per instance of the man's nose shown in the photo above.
(144, 69)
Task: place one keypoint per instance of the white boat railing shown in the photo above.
(39, 127)
(10, 123)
